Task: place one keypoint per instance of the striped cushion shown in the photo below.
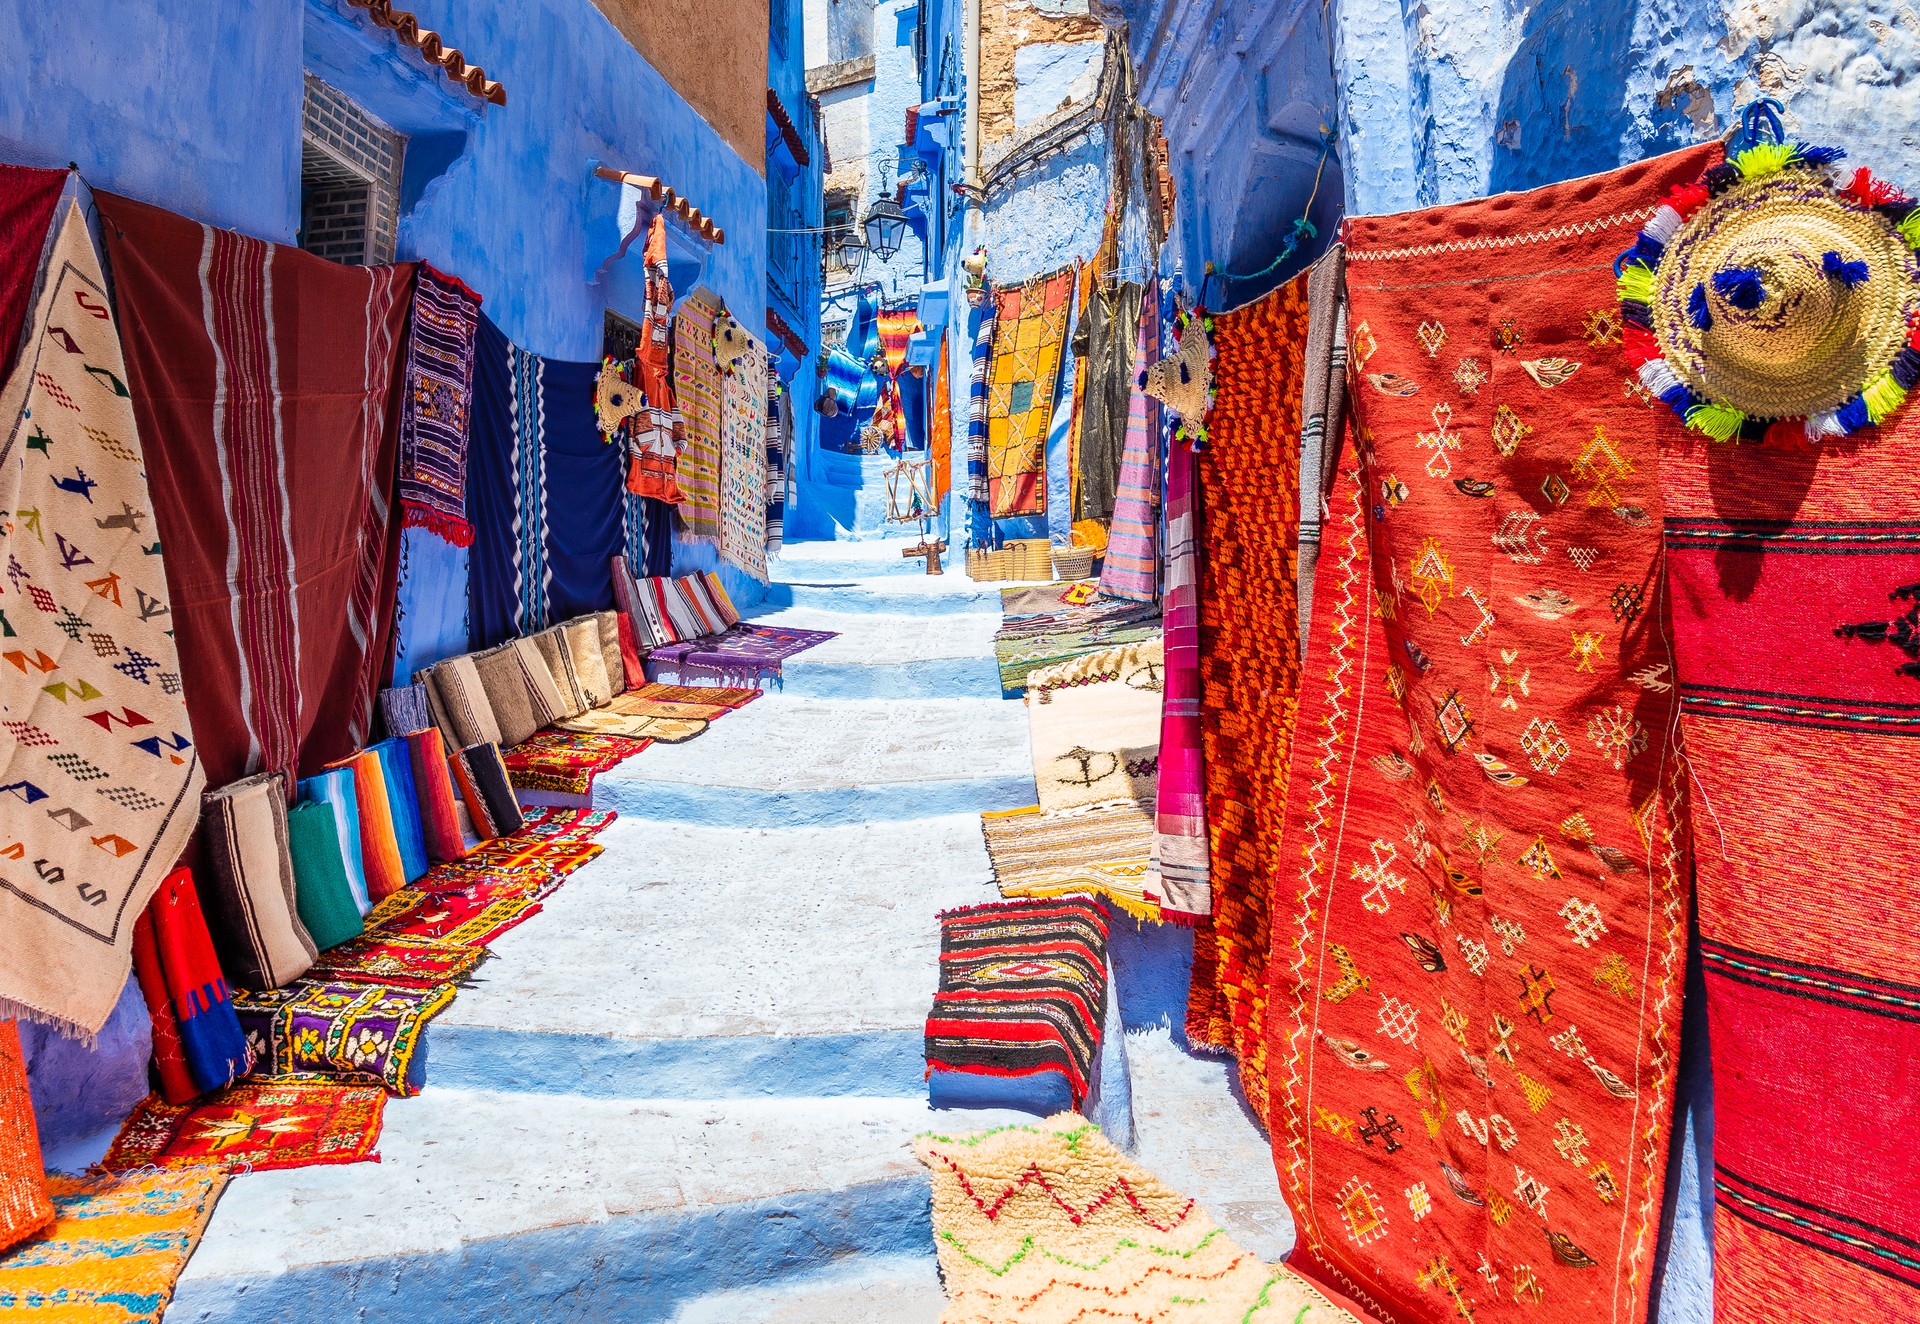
(552, 643)
(510, 694)
(380, 862)
(611, 658)
(704, 617)
(728, 612)
(482, 779)
(251, 903)
(666, 612)
(439, 820)
(630, 653)
(550, 700)
(589, 663)
(628, 595)
(463, 698)
(404, 708)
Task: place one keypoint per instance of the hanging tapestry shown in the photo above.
(697, 387)
(654, 434)
(24, 1206)
(1094, 725)
(779, 442)
(1480, 917)
(437, 406)
(1324, 403)
(1030, 326)
(1029, 1231)
(115, 1249)
(566, 762)
(340, 1033)
(28, 198)
(1795, 582)
(978, 489)
(940, 428)
(649, 536)
(745, 655)
(1098, 852)
(1178, 883)
(1249, 659)
(265, 385)
(97, 740)
(1023, 990)
(547, 496)
(1107, 344)
(471, 915)
(1132, 566)
(254, 1127)
(397, 960)
(743, 447)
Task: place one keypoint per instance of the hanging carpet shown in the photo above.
(266, 386)
(940, 428)
(1795, 580)
(436, 407)
(1249, 659)
(24, 1204)
(698, 388)
(28, 198)
(979, 490)
(1106, 343)
(1132, 565)
(545, 491)
(1179, 883)
(1029, 331)
(1051, 1224)
(654, 435)
(743, 447)
(255, 1127)
(97, 757)
(1479, 915)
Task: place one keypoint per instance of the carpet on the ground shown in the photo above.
(1023, 990)
(398, 960)
(1101, 851)
(254, 1127)
(470, 914)
(1040, 599)
(1049, 1223)
(115, 1250)
(743, 655)
(566, 761)
(339, 1032)
(1060, 634)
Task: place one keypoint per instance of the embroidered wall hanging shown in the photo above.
(743, 447)
(1030, 327)
(100, 772)
(436, 410)
(698, 388)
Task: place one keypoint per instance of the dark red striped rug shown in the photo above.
(1023, 989)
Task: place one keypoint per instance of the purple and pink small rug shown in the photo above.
(744, 655)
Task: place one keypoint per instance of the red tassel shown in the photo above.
(1687, 198)
(416, 516)
(1639, 346)
(1913, 331)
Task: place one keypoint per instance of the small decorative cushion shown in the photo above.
(693, 591)
(630, 652)
(379, 847)
(589, 663)
(256, 929)
(654, 594)
(728, 612)
(626, 595)
(610, 655)
(550, 702)
(404, 708)
(686, 622)
(465, 699)
(482, 779)
(396, 766)
(335, 790)
(321, 895)
(433, 786)
(552, 646)
(509, 693)
(424, 677)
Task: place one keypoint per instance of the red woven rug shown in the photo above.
(254, 1126)
(566, 762)
(1478, 969)
(1803, 731)
(1249, 658)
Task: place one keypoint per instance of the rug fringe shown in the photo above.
(12, 1010)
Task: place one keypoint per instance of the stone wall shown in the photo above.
(1008, 26)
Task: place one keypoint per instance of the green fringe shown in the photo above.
(1765, 159)
(1882, 396)
(1720, 422)
(1636, 281)
(1910, 229)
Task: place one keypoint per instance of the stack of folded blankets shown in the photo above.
(690, 633)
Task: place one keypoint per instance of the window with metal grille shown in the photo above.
(349, 179)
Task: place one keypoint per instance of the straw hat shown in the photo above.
(1765, 292)
(1183, 381)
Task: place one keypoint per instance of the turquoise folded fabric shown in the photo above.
(321, 894)
(397, 762)
(336, 790)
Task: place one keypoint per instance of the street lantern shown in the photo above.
(852, 253)
(885, 226)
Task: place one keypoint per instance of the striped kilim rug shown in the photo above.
(1098, 852)
(1049, 1223)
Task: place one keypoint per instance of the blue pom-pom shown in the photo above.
(1645, 249)
(1820, 155)
(1141, 379)
(1679, 397)
(1906, 368)
(1847, 273)
(1697, 308)
(1743, 287)
(1853, 416)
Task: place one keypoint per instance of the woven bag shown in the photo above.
(24, 1207)
(1032, 558)
(1072, 562)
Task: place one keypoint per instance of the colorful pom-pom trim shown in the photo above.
(1751, 156)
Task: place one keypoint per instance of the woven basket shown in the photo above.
(987, 566)
(1032, 558)
(1072, 562)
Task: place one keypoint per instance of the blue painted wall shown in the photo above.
(198, 108)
